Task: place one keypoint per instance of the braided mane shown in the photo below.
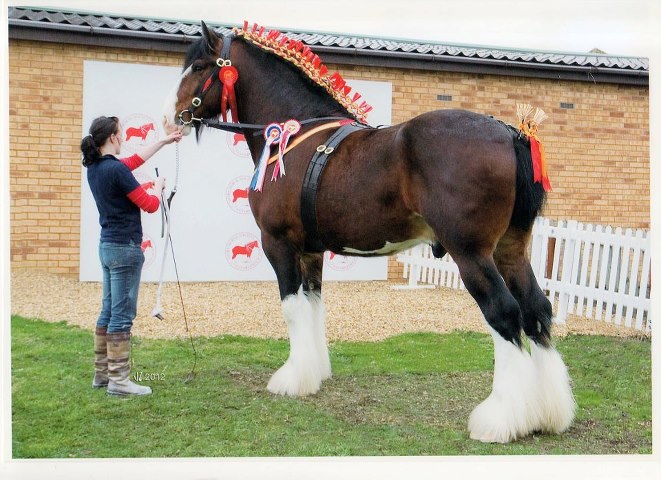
(300, 55)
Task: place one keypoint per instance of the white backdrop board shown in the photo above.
(213, 231)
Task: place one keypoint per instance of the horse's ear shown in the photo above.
(210, 37)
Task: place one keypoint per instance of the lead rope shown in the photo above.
(165, 231)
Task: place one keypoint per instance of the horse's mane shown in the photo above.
(300, 55)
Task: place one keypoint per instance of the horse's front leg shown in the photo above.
(303, 371)
(312, 267)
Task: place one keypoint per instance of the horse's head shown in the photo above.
(190, 99)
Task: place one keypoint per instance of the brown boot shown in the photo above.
(119, 369)
(100, 359)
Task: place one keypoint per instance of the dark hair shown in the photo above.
(99, 132)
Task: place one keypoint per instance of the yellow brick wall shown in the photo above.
(598, 152)
(45, 112)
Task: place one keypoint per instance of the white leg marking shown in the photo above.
(319, 318)
(302, 372)
(512, 409)
(555, 395)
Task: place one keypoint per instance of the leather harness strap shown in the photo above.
(311, 182)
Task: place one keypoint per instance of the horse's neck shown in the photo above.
(269, 90)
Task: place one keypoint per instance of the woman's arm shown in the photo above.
(149, 151)
(145, 201)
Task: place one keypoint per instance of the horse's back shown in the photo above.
(456, 126)
(458, 146)
(441, 167)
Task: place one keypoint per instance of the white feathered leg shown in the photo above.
(511, 410)
(557, 401)
(319, 318)
(302, 373)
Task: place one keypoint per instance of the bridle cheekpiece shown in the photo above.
(228, 75)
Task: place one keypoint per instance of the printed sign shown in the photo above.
(243, 251)
(236, 195)
(214, 235)
(138, 131)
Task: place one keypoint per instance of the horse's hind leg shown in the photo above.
(304, 370)
(556, 403)
(507, 413)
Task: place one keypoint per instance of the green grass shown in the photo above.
(409, 395)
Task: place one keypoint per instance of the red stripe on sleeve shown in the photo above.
(133, 162)
(146, 202)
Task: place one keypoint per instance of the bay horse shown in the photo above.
(458, 180)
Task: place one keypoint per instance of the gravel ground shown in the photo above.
(357, 311)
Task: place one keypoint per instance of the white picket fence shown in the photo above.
(588, 270)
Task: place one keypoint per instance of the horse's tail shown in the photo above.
(530, 195)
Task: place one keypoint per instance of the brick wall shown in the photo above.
(598, 151)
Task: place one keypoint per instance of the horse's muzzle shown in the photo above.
(179, 125)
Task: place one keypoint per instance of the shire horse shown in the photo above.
(458, 180)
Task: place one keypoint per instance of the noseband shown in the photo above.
(227, 75)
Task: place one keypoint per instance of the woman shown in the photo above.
(119, 198)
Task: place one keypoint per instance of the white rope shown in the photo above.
(165, 205)
(158, 310)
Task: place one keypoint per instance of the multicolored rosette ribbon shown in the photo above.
(272, 135)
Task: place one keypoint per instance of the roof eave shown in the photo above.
(140, 40)
(487, 66)
(100, 37)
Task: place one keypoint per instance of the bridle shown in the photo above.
(186, 116)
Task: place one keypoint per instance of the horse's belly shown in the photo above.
(387, 249)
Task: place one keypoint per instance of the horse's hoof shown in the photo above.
(294, 381)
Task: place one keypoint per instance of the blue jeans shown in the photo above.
(122, 266)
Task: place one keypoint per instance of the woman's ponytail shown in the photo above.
(100, 130)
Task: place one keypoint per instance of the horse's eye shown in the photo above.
(197, 67)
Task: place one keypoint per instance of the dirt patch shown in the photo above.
(357, 311)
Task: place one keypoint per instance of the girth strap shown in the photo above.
(311, 183)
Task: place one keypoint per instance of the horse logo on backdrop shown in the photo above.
(139, 131)
(243, 251)
(236, 195)
(148, 250)
(237, 144)
(339, 262)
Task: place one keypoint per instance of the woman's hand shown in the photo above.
(147, 152)
(172, 137)
(159, 185)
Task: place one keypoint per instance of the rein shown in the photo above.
(238, 127)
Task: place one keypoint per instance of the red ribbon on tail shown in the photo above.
(539, 163)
